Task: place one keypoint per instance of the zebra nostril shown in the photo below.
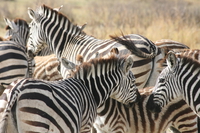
(151, 106)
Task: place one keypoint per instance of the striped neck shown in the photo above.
(98, 79)
(62, 36)
(188, 78)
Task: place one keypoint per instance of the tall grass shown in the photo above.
(156, 19)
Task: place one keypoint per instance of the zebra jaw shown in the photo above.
(153, 107)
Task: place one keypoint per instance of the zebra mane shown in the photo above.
(18, 21)
(93, 65)
(188, 60)
(187, 55)
(46, 10)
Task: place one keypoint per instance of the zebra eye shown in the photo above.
(161, 80)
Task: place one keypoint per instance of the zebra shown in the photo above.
(49, 27)
(107, 116)
(113, 116)
(69, 105)
(138, 119)
(46, 68)
(179, 79)
(13, 57)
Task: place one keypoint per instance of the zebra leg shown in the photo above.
(2, 88)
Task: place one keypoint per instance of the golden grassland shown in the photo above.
(178, 20)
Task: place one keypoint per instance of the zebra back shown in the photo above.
(170, 44)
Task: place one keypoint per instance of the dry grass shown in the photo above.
(156, 19)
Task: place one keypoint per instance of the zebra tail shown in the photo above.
(130, 45)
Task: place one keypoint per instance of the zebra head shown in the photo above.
(126, 91)
(37, 40)
(17, 31)
(167, 86)
(11, 27)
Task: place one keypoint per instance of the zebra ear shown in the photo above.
(127, 64)
(68, 64)
(114, 51)
(11, 24)
(32, 14)
(8, 22)
(58, 8)
(171, 60)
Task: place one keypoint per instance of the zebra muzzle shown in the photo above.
(151, 106)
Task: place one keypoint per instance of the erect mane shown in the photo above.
(190, 60)
(87, 67)
(46, 10)
(18, 21)
(194, 54)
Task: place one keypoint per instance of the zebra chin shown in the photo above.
(151, 106)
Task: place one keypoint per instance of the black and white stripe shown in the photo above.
(53, 29)
(46, 68)
(179, 79)
(69, 105)
(13, 57)
(115, 117)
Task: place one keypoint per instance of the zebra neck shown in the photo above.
(81, 45)
(98, 86)
(19, 44)
(70, 42)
